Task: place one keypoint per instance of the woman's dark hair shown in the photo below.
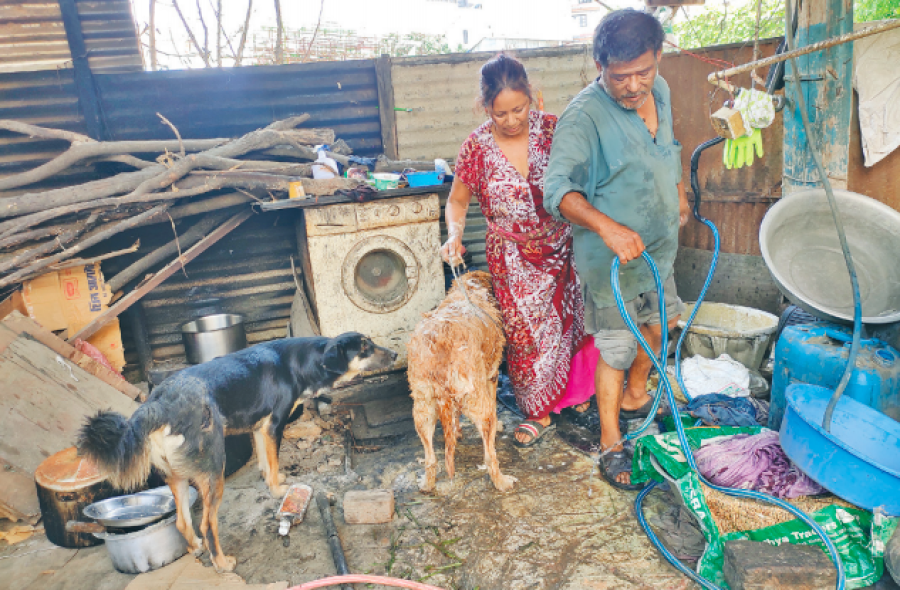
(625, 35)
(498, 74)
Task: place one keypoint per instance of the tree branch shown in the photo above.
(38, 266)
(203, 55)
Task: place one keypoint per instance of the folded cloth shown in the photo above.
(716, 409)
(754, 462)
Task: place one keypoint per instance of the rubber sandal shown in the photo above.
(588, 419)
(644, 410)
(535, 430)
(613, 464)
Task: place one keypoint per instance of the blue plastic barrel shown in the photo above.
(817, 355)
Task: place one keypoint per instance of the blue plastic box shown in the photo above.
(424, 178)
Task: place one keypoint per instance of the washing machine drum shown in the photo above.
(380, 274)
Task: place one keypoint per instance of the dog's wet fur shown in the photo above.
(180, 430)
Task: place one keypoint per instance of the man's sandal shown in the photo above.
(612, 465)
(535, 430)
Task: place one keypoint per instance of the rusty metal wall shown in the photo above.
(881, 180)
(32, 36)
(229, 102)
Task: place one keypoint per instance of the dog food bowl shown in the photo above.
(800, 246)
(213, 336)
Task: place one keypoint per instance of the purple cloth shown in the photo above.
(754, 462)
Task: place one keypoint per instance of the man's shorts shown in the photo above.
(616, 343)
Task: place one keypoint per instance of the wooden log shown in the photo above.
(127, 301)
(65, 487)
(184, 241)
(96, 189)
(38, 266)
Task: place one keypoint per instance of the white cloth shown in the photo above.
(756, 109)
(721, 375)
(876, 79)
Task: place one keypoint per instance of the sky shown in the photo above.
(532, 19)
(549, 20)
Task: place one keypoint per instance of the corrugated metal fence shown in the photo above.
(229, 102)
(33, 36)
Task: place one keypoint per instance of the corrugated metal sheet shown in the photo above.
(248, 272)
(233, 101)
(45, 98)
(32, 36)
(442, 91)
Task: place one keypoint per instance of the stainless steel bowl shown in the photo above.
(800, 246)
(213, 336)
(135, 509)
(147, 549)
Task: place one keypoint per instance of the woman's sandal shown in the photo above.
(612, 465)
(535, 430)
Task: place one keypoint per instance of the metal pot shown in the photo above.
(213, 336)
(147, 549)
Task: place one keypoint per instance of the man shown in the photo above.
(615, 174)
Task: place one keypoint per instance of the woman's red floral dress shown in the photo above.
(529, 255)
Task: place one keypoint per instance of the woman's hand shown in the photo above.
(452, 251)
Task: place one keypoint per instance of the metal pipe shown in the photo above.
(716, 77)
(334, 541)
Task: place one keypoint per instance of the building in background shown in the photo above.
(586, 15)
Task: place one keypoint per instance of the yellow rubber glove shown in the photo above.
(740, 151)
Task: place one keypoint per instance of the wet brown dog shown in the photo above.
(454, 359)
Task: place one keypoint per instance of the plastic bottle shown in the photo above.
(329, 168)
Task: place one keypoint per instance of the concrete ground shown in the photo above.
(558, 529)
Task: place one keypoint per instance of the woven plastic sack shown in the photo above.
(859, 537)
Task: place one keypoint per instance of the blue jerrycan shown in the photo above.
(817, 354)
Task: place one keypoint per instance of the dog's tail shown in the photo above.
(119, 446)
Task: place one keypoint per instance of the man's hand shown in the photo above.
(625, 243)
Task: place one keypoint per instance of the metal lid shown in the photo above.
(66, 471)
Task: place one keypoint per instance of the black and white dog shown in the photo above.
(181, 428)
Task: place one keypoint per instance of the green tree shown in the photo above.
(868, 10)
(730, 22)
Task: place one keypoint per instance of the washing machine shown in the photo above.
(374, 267)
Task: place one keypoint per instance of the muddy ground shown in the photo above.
(558, 529)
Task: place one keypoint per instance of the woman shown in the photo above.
(529, 253)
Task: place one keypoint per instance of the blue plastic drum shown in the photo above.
(858, 461)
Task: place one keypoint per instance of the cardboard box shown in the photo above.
(15, 302)
(68, 300)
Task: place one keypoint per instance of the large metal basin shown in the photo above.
(799, 243)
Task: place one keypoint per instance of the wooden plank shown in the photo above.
(170, 269)
(16, 324)
(386, 107)
(43, 403)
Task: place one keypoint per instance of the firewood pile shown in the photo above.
(48, 229)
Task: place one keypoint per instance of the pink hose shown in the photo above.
(362, 579)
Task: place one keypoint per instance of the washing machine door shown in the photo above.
(380, 274)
